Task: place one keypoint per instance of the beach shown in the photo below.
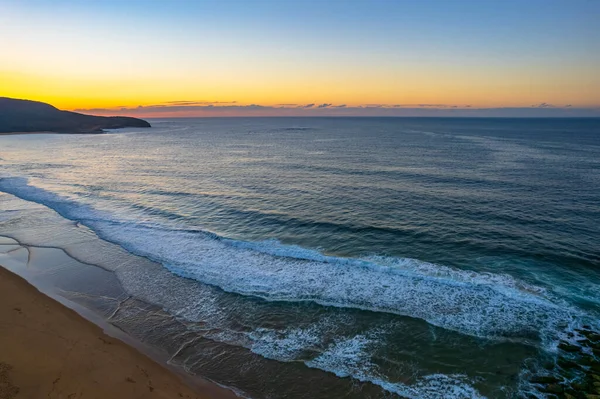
(48, 350)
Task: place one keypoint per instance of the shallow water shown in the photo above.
(424, 257)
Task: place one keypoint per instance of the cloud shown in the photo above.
(429, 106)
(443, 106)
(192, 109)
(543, 105)
(161, 108)
(185, 102)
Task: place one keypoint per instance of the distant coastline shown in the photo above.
(24, 116)
(15, 133)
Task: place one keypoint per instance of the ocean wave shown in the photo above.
(351, 356)
(479, 304)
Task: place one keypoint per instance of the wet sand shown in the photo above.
(49, 351)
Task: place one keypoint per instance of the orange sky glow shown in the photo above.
(145, 65)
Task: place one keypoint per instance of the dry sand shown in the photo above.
(49, 351)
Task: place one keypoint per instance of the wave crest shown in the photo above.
(479, 304)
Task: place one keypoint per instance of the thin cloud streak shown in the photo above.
(545, 105)
(197, 102)
(233, 109)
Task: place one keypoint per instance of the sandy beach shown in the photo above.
(49, 351)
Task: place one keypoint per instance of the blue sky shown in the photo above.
(480, 53)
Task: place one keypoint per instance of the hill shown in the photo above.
(33, 116)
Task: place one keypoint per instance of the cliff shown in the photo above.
(32, 116)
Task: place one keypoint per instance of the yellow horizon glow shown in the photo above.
(481, 89)
(139, 59)
(70, 94)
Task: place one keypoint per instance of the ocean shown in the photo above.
(329, 257)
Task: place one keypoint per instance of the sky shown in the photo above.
(286, 57)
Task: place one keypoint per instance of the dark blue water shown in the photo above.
(413, 254)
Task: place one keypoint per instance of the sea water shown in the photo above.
(428, 258)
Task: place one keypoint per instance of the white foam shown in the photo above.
(350, 357)
(285, 345)
(482, 304)
(474, 306)
(405, 265)
(479, 304)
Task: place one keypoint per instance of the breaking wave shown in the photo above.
(486, 305)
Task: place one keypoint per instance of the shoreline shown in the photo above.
(76, 353)
(53, 250)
